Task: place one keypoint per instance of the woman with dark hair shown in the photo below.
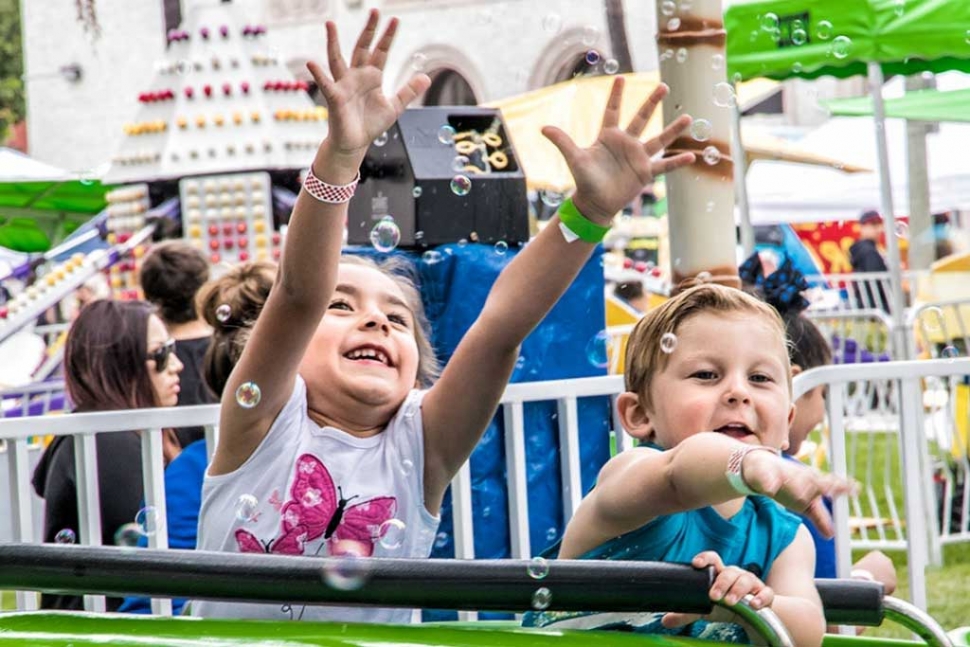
(118, 356)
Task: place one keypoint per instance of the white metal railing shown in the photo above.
(918, 533)
(919, 510)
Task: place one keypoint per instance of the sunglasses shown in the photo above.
(160, 356)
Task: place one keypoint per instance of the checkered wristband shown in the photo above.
(329, 193)
(735, 474)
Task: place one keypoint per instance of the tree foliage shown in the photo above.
(12, 107)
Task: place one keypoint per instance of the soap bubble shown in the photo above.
(668, 7)
(551, 534)
(224, 312)
(668, 342)
(246, 506)
(551, 198)
(611, 66)
(381, 139)
(724, 96)
(519, 362)
(950, 353)
(824, 30)
(717, 62)
(704, 277)
(598, 349)
(148, 520)
(128, 535)
(711, 155)
(392, 534)
(441, 540)
(501, 247)
(248, 395)
(459, 163)
(385, 235)
(416, 192)
(902, 230)
(673, 24)
(407, 467)
(432, 256)
(538, 568)
(701, 130)
(552, 23)
(681, 56)
(446, 135)
(769, 22)
(932, 319)
(799, 36)
(347, 569)
(65, 536)
(461, 185)
(541, 599)
(841, 46)
(592, 57)
(418, 61)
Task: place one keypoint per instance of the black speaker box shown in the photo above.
(409, 174)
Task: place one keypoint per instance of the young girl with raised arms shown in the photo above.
(708, 390)
(332, 419)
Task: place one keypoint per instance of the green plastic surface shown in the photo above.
(64, 629)
(917, 36)
(923, 105)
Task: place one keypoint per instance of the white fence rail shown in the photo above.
(912, 531)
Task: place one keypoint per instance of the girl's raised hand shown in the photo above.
(731, 584)
(613, 171)
(358, 109)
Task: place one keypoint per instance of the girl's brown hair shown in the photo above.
(105, 357)
(243, 291)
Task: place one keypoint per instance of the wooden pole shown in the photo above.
(700, 199)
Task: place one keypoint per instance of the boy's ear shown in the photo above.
(796, 369)
(791, 419)
(633, 416)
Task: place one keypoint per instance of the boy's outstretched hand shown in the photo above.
(358, 109)
(613, 171)
(797, 487)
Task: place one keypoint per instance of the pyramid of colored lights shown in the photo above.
(221, 101)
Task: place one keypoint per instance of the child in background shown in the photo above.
(330, 420)
(782, 288)
(244, 290)
(709, 386)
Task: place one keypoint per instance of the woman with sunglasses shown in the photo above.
(118, 356)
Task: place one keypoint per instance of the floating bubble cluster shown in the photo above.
(385, 235)
(461, 185)
(538, 568)
(248, 395)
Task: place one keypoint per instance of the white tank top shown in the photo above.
(283, 500)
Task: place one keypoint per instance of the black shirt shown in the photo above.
(120, 488)
(192, 386)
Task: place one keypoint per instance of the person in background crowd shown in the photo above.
(170, 276)
(118, 356)
(864, 255)
(243, 290)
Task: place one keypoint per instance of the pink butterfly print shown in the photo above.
(316, 507)
(289, 543)
(275, 500)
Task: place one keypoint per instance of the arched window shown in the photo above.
(449, 88)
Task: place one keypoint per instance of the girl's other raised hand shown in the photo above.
(613, 171)
(359, 111)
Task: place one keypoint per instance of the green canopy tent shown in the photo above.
(923, 105)
(784, 39)
(40, 203)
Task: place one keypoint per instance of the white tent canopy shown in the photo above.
(781, 192)
(17, 167)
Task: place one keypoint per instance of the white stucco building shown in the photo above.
(82, 89)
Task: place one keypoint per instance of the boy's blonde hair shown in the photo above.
(644, 355)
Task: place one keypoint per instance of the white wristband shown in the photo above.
(734, 472)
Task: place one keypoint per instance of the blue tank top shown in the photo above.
(752, 539)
